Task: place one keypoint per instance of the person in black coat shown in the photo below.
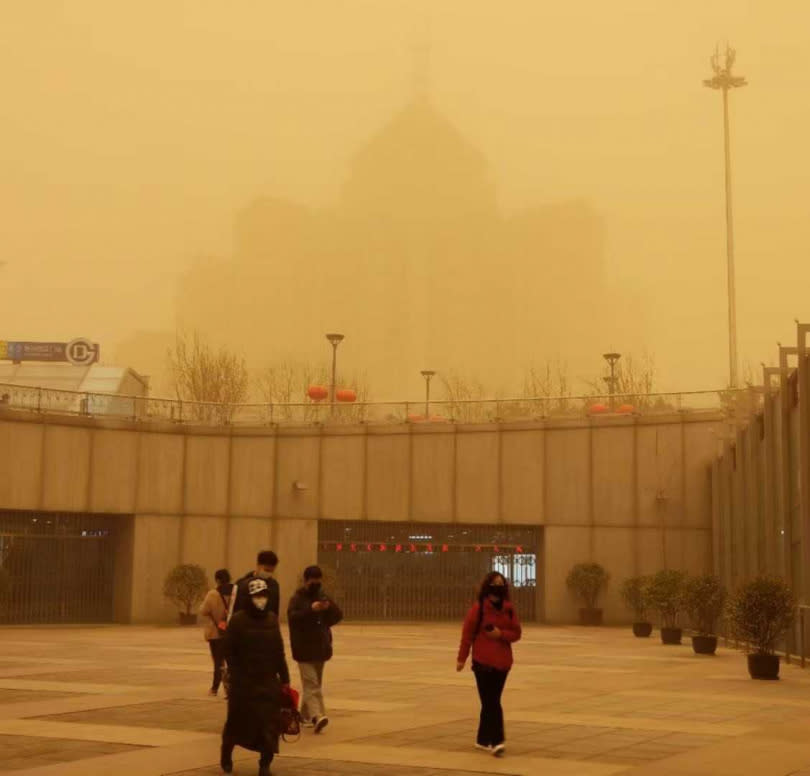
(254, 650)
(310, 616)
(266, 563)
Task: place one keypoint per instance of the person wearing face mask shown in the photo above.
(490, 628)
(266, 563)
(311, 615)
(254, 650)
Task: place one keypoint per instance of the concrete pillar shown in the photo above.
(803, 377)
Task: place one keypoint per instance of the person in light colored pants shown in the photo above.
(311, 616)
(312, 698)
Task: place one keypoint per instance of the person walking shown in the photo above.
(311, 615)
(214, 610)
(266, 562)
(254, 650)
(490, 628)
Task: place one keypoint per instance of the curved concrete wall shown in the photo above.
(631, 493)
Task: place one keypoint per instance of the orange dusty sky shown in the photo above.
(131, 133)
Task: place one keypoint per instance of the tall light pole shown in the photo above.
(611, 358)
(335, 340)
(724, 81)
(428, 374)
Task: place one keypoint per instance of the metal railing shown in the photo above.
(142, 408)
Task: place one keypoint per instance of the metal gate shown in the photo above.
(56, 568)
(423, 571)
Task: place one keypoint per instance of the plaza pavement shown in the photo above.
(131, 701)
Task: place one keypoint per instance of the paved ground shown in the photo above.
(580, 702)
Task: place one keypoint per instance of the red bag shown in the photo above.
(290, 716)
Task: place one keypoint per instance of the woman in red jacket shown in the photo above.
(490, 629)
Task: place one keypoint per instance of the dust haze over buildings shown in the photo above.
(550, 185)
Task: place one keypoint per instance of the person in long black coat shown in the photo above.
(254, 650)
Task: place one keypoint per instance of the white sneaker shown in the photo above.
(308, 723)
(321, 723)
(484, 747)
(499, 750)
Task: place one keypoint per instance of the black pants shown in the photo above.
(226, 755)
(217, 647)
(490, 684)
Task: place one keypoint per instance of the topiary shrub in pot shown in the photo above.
(704, 600)
(186, 586)
(587, 580)
(761, 612)
(634, 594)
(665, 593)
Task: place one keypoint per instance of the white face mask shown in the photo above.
(260, 602)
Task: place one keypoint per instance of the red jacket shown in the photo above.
(495, 653)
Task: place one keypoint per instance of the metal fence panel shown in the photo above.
(425, 571)
(56, 568)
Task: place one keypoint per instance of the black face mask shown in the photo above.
(314, 588)
(497, 591)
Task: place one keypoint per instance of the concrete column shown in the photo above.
(785, 461)
(804, 454)
(769, 501)
(716, 559)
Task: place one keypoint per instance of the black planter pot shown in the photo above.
(671, 635)
(187, 619)
(642, 630)
(763, 666)
(590, 616)
(704, 645)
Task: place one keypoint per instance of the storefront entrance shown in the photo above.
(56, 568)
(425, 571)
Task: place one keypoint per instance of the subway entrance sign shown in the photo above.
(79, 352)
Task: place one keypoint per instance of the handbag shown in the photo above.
(290, 716)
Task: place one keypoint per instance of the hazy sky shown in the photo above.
(131, 132)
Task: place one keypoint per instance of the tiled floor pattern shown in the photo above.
(285, 766)
(572, 742)
(579, 702)
(24, 752)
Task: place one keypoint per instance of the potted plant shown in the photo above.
(186, 586)
(761, 612)
(587, 580)
(665, 593)
(704, 599)
(634, 594)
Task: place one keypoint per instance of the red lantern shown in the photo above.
(317, 392)
(416, 418)
(438, 419)
(346, 394)
(597, 409)
(626, 409)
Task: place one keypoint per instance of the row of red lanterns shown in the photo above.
(413, 548)
(320, 392)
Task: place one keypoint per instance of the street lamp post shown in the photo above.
(723, 80)
(335, 340)
(428, 374)
(611, 358)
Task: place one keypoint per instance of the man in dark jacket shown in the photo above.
(255, 653)
(311, 615)
(266, 563)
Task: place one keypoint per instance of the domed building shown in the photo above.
(415, 263)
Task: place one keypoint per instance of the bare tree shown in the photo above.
(551, 384)
(214, 380)
(635, 381)
(465, 399)
(283, 387)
